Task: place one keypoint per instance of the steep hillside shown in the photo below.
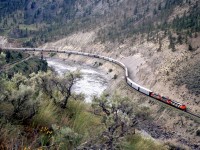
(36, 22)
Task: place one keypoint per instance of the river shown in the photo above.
(93, 81)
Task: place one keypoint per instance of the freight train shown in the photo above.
(128, 80)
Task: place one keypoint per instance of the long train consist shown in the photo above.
(128, 80)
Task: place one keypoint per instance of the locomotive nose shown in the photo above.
(183, 107)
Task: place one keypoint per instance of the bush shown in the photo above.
(28, 67)
(198, 133)
(190, 48)
(115, 77)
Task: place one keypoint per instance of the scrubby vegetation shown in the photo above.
(190, 76)
(32, 116)
(10, 57)
(40, 111)
(25, 67)
(28, 67)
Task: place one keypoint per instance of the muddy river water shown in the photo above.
(92, 82)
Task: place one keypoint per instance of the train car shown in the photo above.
(156, 96)
(114, 61)
(110, 59)
(79, 53)
(128, 80)
(120, 64)
(70, 52)
(59, 51)
(85, 54)
(178, 105)
(132, 84)
(74, 52)
(135, 85)
(89, 54)
(126, 72)
(96, 56)
(144, 90)
(117, 62)
(183, 107)
(101, 57)
(166, 100)
(106, 58)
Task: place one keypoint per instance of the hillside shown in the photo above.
(158, 40)
(36, 22)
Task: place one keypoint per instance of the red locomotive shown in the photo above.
(168, 101)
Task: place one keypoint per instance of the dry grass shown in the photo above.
(136, 142)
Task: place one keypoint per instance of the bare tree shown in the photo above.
(65, 87)
(49, 83)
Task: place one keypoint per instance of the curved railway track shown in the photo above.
(132, 84)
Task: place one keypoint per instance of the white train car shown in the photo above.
(101, 57)
(121, 64)
(144, 90)
(126, 72)
(110, 59)
(79, 53)
(85, 54)
(133, 84)
(106, 58)
(128, 80)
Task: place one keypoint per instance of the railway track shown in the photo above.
(10, 65)
(143, 90)
(193, 114)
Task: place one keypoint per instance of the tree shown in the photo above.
(51, 85)
(160, 45)
(117, 115)
(8, 56)
(179, 39)
(155, 11)
(2, 59)
(135, 10)
(190, 48)
(171, 42)
(159, 6)
(65, 87)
